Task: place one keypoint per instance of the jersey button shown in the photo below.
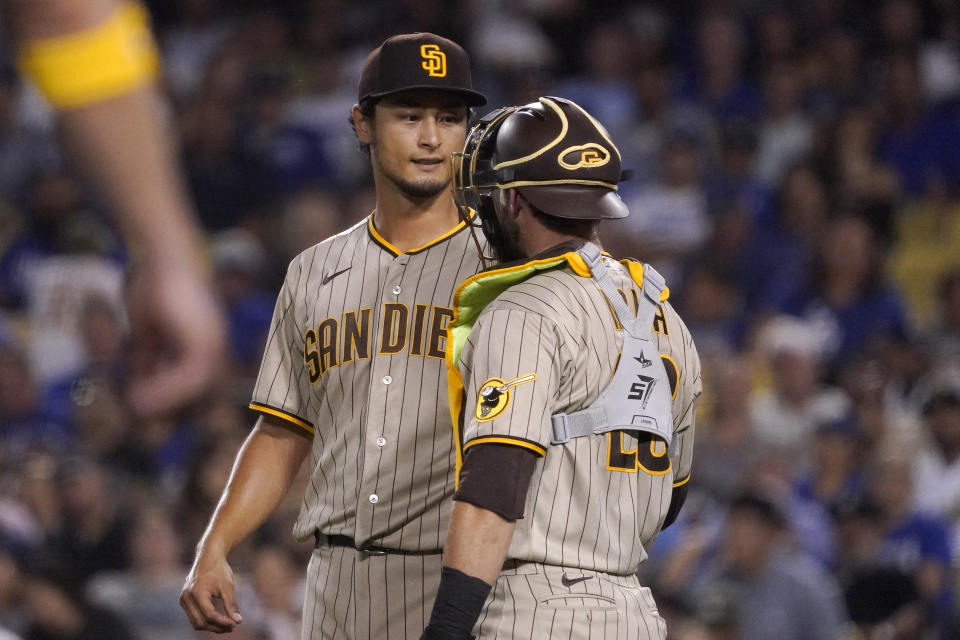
(381, 441)
(387, 379)
(396, 290)
(374, 498)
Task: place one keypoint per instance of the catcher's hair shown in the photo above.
(586, 229)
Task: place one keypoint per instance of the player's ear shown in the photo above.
(516, 201)
(362, 125)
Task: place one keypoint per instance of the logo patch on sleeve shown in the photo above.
(494, 396)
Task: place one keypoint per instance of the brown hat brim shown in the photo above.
(472, 98)
(576, 201)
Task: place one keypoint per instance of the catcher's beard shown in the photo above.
(506, 241)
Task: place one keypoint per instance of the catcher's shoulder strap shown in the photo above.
(638, 396)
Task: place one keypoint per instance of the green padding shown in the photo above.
(481, 290)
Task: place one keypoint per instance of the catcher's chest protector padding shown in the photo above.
(638, 396)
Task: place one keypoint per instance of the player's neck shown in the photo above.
(540, 239)
(407, 224)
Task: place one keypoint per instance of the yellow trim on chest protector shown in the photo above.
(109, 59)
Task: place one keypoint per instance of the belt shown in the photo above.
(337, 540)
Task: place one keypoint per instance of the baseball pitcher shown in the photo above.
(353, 373)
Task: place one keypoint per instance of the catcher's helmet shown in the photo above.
(552, 151)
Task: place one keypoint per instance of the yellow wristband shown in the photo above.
(114, 57)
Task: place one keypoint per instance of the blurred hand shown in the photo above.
(210, 578)
(178, 337)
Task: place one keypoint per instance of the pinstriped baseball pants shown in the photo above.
(351, 595)
(532, 601)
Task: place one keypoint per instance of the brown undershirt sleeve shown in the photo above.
(496, 477)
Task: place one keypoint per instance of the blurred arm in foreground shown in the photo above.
(95, 62)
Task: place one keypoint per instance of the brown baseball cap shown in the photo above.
(418, 61)
(560, 159)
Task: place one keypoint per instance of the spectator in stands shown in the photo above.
(777, 32)
(836, 479)
(278, 585)
(725, 448)
(785, 416)
(102, 342)
(936, 470)
(222, 181)
(146, 595)
(25, 422)
(785, 131)
(200, 30)
(57, 608)
(711, 308)
(207, 474)
(848, 296)
(668, 221)
(914, 542)
(780, 593)
(238, 262)
(943, 342)
(862, 182)
(11, 617)
(309, 216)
(605, 89)
(834, 63)
(733, 185)
(94, 529)
(718, 82)
(882, 601)
(24, 150)
(783, 244)
(286, 154)
(921, 143)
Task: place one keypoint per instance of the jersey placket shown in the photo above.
(381, 433)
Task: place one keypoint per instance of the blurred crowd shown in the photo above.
(795, 175)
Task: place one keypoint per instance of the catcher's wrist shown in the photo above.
(431, 633)
(460, 600)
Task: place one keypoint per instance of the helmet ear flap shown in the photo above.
(474, 179)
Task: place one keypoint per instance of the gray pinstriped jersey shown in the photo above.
(355, 356)
(597, 501)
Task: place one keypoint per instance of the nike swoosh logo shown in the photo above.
(568, 582)
(329, 277)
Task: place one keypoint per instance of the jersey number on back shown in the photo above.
(649, 454)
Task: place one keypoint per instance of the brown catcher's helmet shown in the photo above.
(552, 151)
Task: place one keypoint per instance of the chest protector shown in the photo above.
(638, 397)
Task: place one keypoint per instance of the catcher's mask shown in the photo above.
(552, 151)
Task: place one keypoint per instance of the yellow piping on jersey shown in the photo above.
(526, 444)
(680, 483)
(280, 414)
(386, 244)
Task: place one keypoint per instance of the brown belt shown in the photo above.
(337, 540)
